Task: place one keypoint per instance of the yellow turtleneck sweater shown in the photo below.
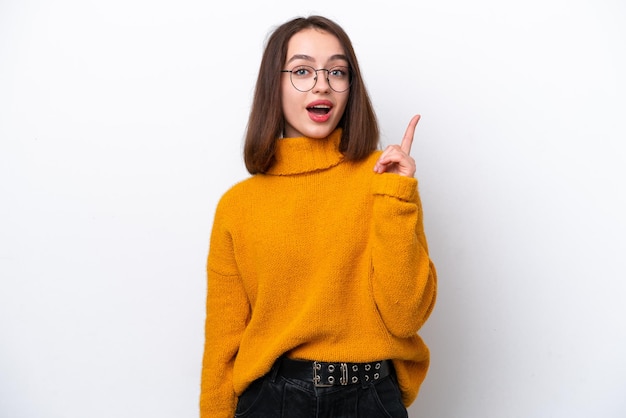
(321, 259)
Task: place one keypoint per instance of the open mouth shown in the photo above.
(319, 109)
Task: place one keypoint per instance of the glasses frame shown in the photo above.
(328, 70)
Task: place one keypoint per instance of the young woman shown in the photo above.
(319, 276)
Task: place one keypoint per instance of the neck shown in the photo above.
(304, 154)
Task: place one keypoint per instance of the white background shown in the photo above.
(121, 124)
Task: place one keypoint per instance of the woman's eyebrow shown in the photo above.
(300, 57)
(311, 59)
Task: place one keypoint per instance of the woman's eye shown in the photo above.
(338, 72)
(301, 72)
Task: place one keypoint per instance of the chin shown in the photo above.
(310, 130)
(319, 132)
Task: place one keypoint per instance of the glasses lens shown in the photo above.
(304, 78)
(339, 78)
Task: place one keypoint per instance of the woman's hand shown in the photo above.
(396, 158)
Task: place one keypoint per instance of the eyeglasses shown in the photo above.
(304, 77)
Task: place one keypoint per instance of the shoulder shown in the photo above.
(243, 194)
(235, 192)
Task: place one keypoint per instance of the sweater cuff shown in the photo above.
(401, 187)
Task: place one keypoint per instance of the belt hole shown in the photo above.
(331, 368)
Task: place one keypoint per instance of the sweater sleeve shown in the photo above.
(227, 312)
(404, 279)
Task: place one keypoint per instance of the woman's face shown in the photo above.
(314, 113)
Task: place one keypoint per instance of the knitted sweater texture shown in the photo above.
(320, 259)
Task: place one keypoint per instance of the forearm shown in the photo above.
(226, 316)
(403, 275)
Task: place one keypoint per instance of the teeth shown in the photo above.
(321, 107)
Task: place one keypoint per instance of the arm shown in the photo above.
(227, 312)
(404, 279)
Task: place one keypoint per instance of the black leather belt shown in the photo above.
(323, 374)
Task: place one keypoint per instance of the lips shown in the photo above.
(319, 111)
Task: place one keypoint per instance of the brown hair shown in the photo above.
(360, 133)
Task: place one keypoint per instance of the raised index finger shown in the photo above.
(407, 139)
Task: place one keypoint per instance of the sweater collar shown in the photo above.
(304, 155)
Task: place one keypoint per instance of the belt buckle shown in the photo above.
(344, 374)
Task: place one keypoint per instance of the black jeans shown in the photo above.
(274, 396)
